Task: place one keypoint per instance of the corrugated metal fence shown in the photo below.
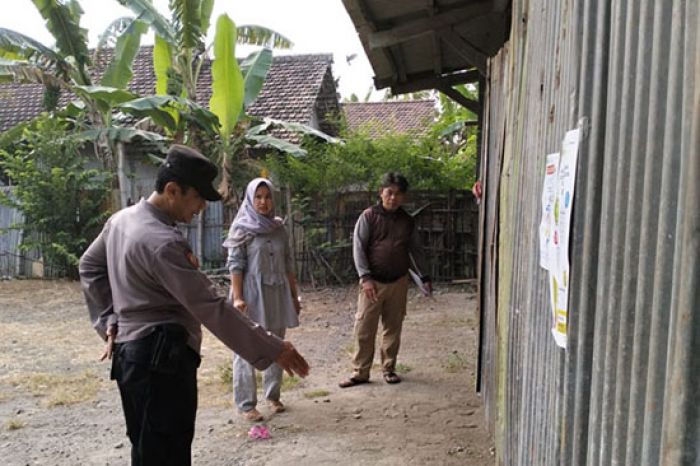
(14, 260)
(627, 388)
(10, 239)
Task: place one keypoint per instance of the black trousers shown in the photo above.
(157, 379)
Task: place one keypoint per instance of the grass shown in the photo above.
(349, 349)
(225, 374)
(402, 368)
(455, 362)
(289, 383)
(14, 424)
(58, 389)
(316, 393)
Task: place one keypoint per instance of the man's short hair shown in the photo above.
(165, 175)
(395, 178)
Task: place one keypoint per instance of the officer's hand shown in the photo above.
(429, 288)
(370, 290)
(240, 305)
(291, 361)
(297, 304)
(109, 346)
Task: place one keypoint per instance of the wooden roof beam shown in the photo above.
(409, 30)
(471, 105)
(466, 50)
(399, 62)
(431, 9)
(499, 6)
(360, 7)
(422, 81)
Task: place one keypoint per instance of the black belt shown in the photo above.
(164, 350)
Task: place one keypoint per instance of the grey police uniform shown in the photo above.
(152, 281)
(141, 281)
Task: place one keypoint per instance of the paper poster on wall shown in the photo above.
(558, 253)
(548, 253)
(559, 297)
(565, 198)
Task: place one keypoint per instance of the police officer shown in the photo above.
(147, 299)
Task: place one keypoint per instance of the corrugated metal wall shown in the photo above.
(10, 239)
(626, 390)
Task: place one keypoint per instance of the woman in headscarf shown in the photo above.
(263, 285)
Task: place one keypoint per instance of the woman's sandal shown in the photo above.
(351, 382)
(391, 377)
(277, 406)
(253, 415)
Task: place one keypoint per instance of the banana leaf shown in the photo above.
(187, 18)
(116, 134)
(24, 72)
(24, 46)
(109, 36)
(287, 147)
(145, 10)
(302, 129)
(63, 21)
(255, 68)
(119, 72)
(252, 34)
(161, 109)
(162, 62)
(205, 18)
(110, 95)
(227, 82)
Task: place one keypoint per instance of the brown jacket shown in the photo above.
(384, 243)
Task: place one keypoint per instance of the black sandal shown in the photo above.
(391, 377)
(351, 382)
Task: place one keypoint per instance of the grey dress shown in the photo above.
(264, 262)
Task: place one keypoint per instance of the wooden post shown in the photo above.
(290, 227)
(124, 184)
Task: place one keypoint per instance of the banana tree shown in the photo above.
(180, 52)
(68, 67)
(234, 88)
(178, 56)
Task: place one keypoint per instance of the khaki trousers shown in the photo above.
(391, 308)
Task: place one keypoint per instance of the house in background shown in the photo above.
(298, 89)
(412, 117)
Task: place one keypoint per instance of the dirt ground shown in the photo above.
(57, 406)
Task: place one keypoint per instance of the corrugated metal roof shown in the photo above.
(414, 44)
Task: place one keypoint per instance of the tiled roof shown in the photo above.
(377, 118)
(291, 92)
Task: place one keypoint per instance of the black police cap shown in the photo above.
(193, 169)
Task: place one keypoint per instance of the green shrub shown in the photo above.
(427, 161)
(62, 201)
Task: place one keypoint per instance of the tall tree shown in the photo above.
(178, 56)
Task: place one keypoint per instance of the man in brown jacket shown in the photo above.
(385, 245)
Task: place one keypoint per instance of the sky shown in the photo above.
(314, 26)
